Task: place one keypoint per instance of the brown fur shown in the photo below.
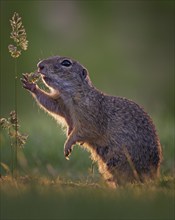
(119, 134)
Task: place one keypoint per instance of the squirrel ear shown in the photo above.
(83, 74)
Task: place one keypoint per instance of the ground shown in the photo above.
(46, 198)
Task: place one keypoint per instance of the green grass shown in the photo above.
(50, 187)
(44, 198)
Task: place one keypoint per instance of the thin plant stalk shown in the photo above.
(12, 160)
(19, 36)
(16, 122)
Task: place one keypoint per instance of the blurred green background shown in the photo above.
(128, 48)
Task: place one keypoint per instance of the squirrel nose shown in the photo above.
(40, 65)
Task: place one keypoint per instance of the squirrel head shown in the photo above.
(64, 75)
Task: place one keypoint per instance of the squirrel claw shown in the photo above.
(25, 77)
(67, 153)
(67, 158)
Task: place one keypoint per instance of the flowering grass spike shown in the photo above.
(9, 125)
(19, 36)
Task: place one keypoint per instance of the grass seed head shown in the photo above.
(19, 36)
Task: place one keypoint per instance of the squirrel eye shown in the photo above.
(66, 63)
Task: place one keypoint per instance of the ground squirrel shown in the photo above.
(119, 134)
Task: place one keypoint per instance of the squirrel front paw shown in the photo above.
(27, 84)
(68, 146)
(67, 152)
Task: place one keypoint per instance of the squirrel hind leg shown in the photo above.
(111, 183)
(107, 175)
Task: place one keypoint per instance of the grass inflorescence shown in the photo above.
(17, 139)
(18, 35)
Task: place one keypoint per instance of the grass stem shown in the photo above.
(16, 122)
